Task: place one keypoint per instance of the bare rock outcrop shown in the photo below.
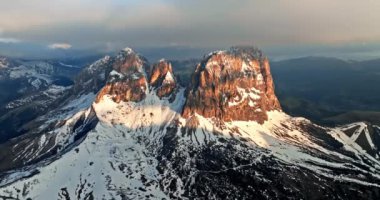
(162, 78)
(232, 85)
(128, 79)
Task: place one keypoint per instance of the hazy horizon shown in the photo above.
(283, 29)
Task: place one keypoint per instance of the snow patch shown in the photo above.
(168, 78)
(67, 65)
(115, 73)
(245, 67)
(36, 83)
(128, 50)
(252, 94)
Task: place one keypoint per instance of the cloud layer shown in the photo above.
(113, 24)
(9, 40)
(60, 46)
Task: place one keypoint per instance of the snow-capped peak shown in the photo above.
(128, 50)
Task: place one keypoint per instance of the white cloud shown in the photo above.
(9, 40)
(60, 46)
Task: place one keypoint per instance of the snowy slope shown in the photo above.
(29, 89)
(118, 158)
(362, 136)
(112, 156)
(94, 147)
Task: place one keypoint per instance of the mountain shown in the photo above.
(232, 86)
(28, 88)
(127, 129)
(329, 91)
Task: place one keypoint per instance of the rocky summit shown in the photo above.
(232, 85)
(127, 130)
(162, 78)
(127, 81)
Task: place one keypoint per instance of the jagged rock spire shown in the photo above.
(162, 78)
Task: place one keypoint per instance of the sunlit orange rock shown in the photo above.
(232, 85)
(127, 81)
(162, 78)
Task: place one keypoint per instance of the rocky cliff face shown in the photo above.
(129, 74)
(128, 80)
(232, 85)
(162, 78)
(227, 85)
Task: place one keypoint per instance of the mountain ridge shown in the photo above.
(128, 141)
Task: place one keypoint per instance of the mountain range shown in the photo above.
(128, 129)
(29, 87)
(329, 91)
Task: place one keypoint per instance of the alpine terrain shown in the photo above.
(126, 129)
(28, 88)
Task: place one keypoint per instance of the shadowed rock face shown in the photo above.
(232, 85)
(127, 81)
(162, 78)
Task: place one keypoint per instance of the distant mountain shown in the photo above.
(183, 69)
(320, 88)
(28, 88)
(127, 129)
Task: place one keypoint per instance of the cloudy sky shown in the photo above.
(107, 25)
